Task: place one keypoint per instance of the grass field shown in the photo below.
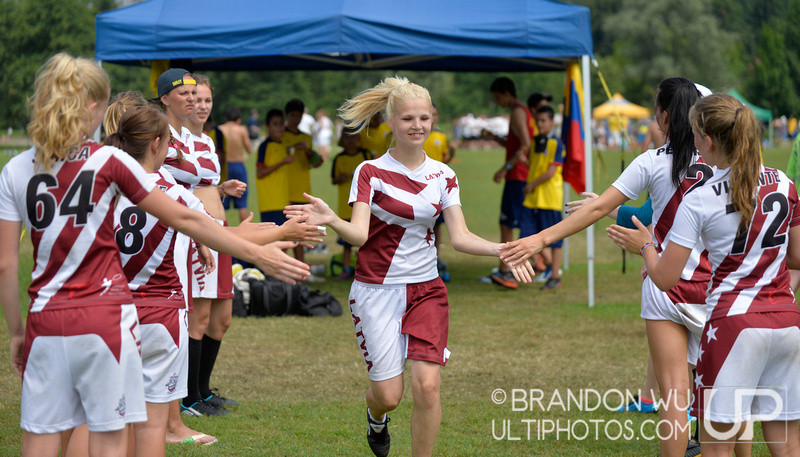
(300, 381)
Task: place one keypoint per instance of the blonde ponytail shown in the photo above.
(736, 135)
(123, 101)
(385, 97)
(60, 115)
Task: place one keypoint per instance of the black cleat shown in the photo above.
(378, 441)
(201, 408)
(221, 402)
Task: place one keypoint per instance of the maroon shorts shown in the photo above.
(395, 322)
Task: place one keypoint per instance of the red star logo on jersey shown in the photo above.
(429, 237)
(451, 184)
(438, 208)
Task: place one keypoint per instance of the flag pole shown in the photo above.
(587, 149)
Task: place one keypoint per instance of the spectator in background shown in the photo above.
(253, 127)
(522, 127)
(437, 148)
(377, 137)
(558, 121)
(298, 144)
(306, 124)
(272, 171)
(342, 169)
(321, 134)
(237, 142)
(537, 100)
(544, 194)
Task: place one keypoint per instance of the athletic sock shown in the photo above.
(207, 360)
(377, 426)
(193, 392)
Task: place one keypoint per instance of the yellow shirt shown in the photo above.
(346, 164)
(376, 140)
(549, 194)
(436, 145)
(273, 189)
(299, 169)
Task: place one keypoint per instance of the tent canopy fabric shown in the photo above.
(624, 107)
(762, 114)
(457, 35)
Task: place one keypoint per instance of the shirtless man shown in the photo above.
(236, 139)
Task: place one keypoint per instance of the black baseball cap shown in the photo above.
(172, 78)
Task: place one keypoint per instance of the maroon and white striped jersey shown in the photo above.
(146, 247)
(404, 205)
(186, 169)
(69, 213)
(205, 151)
(749, 268)
(651, 171)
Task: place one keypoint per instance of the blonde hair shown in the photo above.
(138, 127)
(60, 114)
(385, 97)
(121, 103)
(735, 134)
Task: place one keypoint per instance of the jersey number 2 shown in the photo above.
(77, 201)
(771, 237)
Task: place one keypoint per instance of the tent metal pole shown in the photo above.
(587, 151)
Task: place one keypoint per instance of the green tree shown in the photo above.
(654, 40)
(772, 84)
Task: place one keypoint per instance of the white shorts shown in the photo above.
(180, 254)
(165, 353)
(217, 284)
(395, 322)
(749, 368)
(82, 366)
(658, 306)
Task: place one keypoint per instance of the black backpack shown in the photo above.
(320, 304)
(273, 297)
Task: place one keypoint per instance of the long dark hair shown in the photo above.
(676, 96)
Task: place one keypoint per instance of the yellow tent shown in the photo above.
(623, 107)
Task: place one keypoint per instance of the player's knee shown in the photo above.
(426, 389)
(223, 323)
(389, 400)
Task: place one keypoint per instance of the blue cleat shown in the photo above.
(639, 406)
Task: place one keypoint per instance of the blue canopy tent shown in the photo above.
(451, 35)
(458, 35)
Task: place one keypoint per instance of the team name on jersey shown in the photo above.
(768, 177)
(79, 153)
(434, 175)
(764, 178)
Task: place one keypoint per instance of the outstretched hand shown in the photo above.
(523, 272)
(276, 263)
(297, 229)
(317, 212)
(247, 224)
(632, 240)
(233, 187)
(515, 252)
(575, 205)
